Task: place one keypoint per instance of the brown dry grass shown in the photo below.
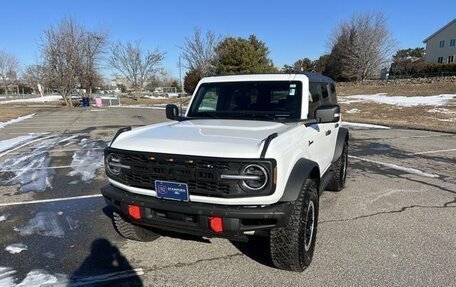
(427, 89)
(9, 113)
(419, 117)
(146, 101)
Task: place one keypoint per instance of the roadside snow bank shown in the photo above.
(382, 98)
(13, 121)
(50, 98)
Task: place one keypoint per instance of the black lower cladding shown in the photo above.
(201, 174)
(193, 217)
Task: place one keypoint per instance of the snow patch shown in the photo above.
(154, 97)
(353, 111)
(45, 223)
(14, 142)
(350, 124)
(43, 278)
(72, 223)
(30, 168)
(87, 160)
(6, 276)
(157, 107)
(16, 248)
(33, 278)
(49, 254)
(382, 98)
(16, 120)
(50, 98)
(441, 111)
(4, 217)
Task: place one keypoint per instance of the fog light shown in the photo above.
(134, 211)
(216, 224)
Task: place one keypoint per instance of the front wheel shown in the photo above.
(292, 246)
(131, 231)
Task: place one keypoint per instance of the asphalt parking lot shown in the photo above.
(394, 223)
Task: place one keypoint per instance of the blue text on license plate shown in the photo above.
(171, 190)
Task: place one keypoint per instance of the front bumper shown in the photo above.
(193, 218)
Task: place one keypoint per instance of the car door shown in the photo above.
(324, 149)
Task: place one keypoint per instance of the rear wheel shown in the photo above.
(292, 246)
(132, 231)
(337, 183)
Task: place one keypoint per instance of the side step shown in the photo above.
(326, 179)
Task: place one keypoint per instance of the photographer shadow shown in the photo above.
(105, 266)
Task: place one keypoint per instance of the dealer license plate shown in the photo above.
(171, 190)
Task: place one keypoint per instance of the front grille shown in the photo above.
(201, 174)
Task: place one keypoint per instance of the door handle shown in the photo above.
(328, 132)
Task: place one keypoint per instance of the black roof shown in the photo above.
(316, 77)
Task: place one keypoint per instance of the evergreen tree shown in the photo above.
(242, 56)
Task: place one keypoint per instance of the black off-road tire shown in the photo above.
(131, 231)
(292, 246)
(337, 183)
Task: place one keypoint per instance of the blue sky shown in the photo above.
(291, 29)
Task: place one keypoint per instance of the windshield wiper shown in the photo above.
(198, 116)
(260, 115)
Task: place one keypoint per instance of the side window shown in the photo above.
(314, 98)
(209, 101)
(315, 91)
(332, 87)
(325, 93)
(324, 90)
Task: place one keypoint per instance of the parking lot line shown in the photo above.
(397, 167)
(434, 151)
(50, 200)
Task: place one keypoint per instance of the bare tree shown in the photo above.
(199, 52)
(70, 56)
(361, 45)
(135, 64)
(62, 52)
(92, 48)
(9, 67)
(34, 75)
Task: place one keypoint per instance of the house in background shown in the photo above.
(441, 46)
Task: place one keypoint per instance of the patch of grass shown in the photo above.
(441, 118)
(9, 113)
(147, 101)
(425, 89)
(438, 118)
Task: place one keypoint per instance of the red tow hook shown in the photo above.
(134, 211)
(216, 224)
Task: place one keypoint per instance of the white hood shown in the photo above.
(205, 137)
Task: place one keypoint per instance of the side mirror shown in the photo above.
(172, 111)
(327, 114)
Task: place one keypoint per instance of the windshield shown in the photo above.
(263, 100)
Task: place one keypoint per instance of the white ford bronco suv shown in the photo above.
(250, 157)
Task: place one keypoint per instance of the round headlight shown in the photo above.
(259, 177)
(112, 163)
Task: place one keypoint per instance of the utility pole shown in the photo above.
(180, 75)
